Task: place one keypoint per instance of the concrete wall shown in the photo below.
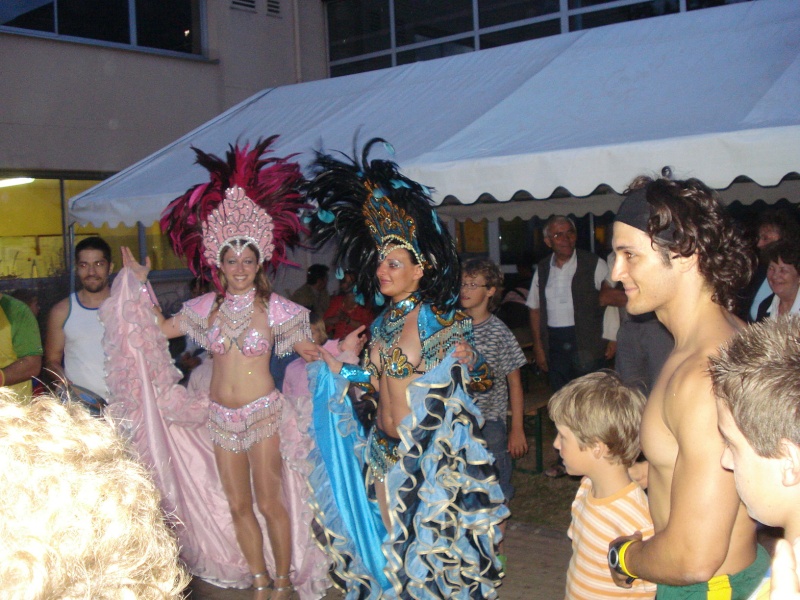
(70, 106)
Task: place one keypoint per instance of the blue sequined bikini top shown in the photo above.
(438, 333)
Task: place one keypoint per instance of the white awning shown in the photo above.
(713, 93)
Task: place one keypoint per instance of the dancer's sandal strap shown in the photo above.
(261, 588)
(283, 588)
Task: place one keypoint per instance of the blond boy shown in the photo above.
(598, 419)
(756, 379)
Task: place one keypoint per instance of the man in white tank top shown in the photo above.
(73, 349)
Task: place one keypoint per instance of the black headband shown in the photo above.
(636, 211)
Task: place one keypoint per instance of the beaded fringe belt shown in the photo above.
(237, 429)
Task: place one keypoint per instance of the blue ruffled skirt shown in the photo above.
(444, 497)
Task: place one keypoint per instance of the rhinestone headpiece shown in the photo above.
(391, 227)
(250, 199)
(235, 223)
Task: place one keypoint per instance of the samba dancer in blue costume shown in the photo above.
(409, 503)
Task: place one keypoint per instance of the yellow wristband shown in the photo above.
(624, 567)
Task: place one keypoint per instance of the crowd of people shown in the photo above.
(291, 460)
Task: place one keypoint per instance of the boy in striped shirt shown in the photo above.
(598, 418)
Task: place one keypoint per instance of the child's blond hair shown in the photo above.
(599, 407)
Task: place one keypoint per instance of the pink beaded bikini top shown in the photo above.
(253, 343)
(288, 324)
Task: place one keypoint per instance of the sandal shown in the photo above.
(282, 588)
(262, 588)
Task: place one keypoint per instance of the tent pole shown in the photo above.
(494, 241)
(591, 232)
(70, 259)
(142, 233)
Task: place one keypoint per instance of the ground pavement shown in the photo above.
(536, 569)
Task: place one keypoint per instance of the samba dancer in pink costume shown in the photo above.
(227, 229)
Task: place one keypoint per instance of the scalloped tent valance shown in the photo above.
(713, 93)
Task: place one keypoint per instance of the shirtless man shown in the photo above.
(677, 253)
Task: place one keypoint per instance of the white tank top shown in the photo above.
(84, 359)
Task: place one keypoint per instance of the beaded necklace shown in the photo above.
(395, 319)
(236, 312)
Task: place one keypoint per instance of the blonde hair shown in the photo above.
(756, 376)
(79, 516)
(599, 407)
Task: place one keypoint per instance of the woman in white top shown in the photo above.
(783, 276)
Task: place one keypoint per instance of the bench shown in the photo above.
(533, 423)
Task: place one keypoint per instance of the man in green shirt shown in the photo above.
(20, 346)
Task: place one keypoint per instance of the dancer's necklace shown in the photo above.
(396, 318)
(236, 312)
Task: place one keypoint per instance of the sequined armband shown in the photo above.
(354, 374)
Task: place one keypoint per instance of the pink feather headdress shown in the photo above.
(250, 199)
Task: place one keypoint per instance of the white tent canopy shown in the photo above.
(713, 93)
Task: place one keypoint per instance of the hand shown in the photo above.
(517, 443)
(465, 354)
(785, 584)
(334, 365)
(140, 271)
(354, 341)
(618, 578)
(540, 358)
(307, 350)
(611, 350)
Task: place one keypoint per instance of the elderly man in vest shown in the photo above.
(566, 311)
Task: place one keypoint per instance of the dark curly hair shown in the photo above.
(784, 220)
(700, 225)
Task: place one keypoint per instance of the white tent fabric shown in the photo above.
(713, 93)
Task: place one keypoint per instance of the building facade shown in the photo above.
(90, 88)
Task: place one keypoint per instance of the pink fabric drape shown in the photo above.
(166, 426)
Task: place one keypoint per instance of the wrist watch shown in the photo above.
(616, 559)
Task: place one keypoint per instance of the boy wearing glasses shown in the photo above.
(481, 283)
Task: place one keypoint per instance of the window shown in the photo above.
(631, 12)
(423, 20)
(520, 34)
(32, 237)
(374, 34)
(435, 51)
(500, 12)
(173, 26)
(357, 28)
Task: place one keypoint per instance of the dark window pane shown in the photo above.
(695, 4)
(362, 66)
(356, 27)
(435, 51)
(173, 25)
(105, 20)
(520, 34)
(38, 15)
(500, 12)
(585, 3)
(622, 14)
(422, 20)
